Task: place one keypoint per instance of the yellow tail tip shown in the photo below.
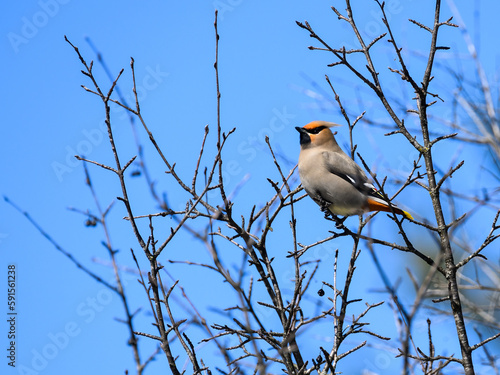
(407, 215)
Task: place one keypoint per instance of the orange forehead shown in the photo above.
(317, 124)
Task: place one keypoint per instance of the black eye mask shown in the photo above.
(316, 130)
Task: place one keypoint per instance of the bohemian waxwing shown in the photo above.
(330, 176)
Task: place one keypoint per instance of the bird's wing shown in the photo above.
(344, 167)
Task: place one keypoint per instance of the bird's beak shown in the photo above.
(305, 138)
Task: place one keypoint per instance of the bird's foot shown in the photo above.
(324, 207)
(339, 221)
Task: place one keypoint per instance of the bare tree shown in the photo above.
(246, 339)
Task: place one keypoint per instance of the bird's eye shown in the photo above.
(316, 130)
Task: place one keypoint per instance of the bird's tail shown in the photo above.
(375, 204)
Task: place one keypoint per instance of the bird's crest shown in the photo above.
(317, 124)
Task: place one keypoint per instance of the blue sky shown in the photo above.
(270, 82)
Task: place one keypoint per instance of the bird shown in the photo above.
(332, 179)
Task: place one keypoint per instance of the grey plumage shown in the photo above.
(329, 175)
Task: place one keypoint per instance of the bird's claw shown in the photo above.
(324, 207)
(339, 222)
